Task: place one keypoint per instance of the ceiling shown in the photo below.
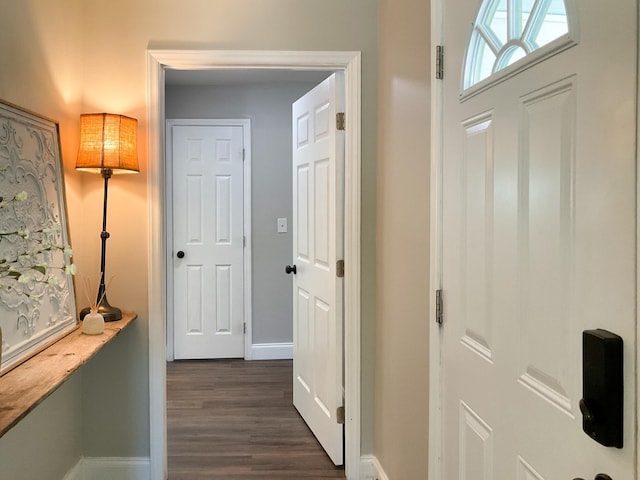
(247, 76)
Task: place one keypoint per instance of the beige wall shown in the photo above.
(71, 56)
(40, 70)
(401, 379)
(117, 34)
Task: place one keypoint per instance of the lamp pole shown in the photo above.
(108, 312)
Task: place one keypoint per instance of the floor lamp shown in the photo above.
(108, 145)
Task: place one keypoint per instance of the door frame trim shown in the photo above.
(435, 265)
(157, 62)
(245, 123)
(637, 278)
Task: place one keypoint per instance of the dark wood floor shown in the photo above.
(234, 420)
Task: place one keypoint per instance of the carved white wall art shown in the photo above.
(37, 303)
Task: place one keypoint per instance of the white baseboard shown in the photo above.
(109, 468)
(271, 351)
(370, 469)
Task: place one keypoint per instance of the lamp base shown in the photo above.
(109, 313)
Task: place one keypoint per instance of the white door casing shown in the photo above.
(318, 178)
(157, 62)
(208, 277)
(534, 223)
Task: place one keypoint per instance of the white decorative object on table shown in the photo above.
(93, 323)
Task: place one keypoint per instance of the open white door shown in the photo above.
(538, 232)
(318, 163)
(207, 239)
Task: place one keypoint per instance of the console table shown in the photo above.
(28, 384)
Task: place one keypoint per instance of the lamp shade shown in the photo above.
(108, 141)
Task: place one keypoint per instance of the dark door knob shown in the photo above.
(180, 254)
(291, 269)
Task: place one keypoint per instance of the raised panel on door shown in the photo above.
(195, 295)
(302, 193)
(322, 343)
(322, 228)
(303, 341)
(223, 299)
(476, 446)
(546, 231)
(193, 210)
(224, 210)
(477, 248)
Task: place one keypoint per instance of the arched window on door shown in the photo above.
(508, 31)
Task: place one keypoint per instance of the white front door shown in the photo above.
(208, 233)
(318, 163)
(538, 234)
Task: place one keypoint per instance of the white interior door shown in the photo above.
(208, 240)
(538, 235)
(318, 163)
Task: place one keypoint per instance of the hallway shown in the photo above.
(234, 420)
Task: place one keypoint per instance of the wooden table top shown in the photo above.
(28, 384)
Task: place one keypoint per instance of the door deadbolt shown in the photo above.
(180, 254)
(602, 388)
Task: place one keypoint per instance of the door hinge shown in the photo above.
(340, 269)
(439, 308)
(340, 121)
(243, 154)
(439, 62)
(244, 327)
(244, 240)
(340, 415)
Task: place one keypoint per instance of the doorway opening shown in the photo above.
(199, 103)
(158, 61)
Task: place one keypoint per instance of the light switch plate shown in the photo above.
(282, 225)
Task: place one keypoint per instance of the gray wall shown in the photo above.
(269, 108)
(47, 442)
